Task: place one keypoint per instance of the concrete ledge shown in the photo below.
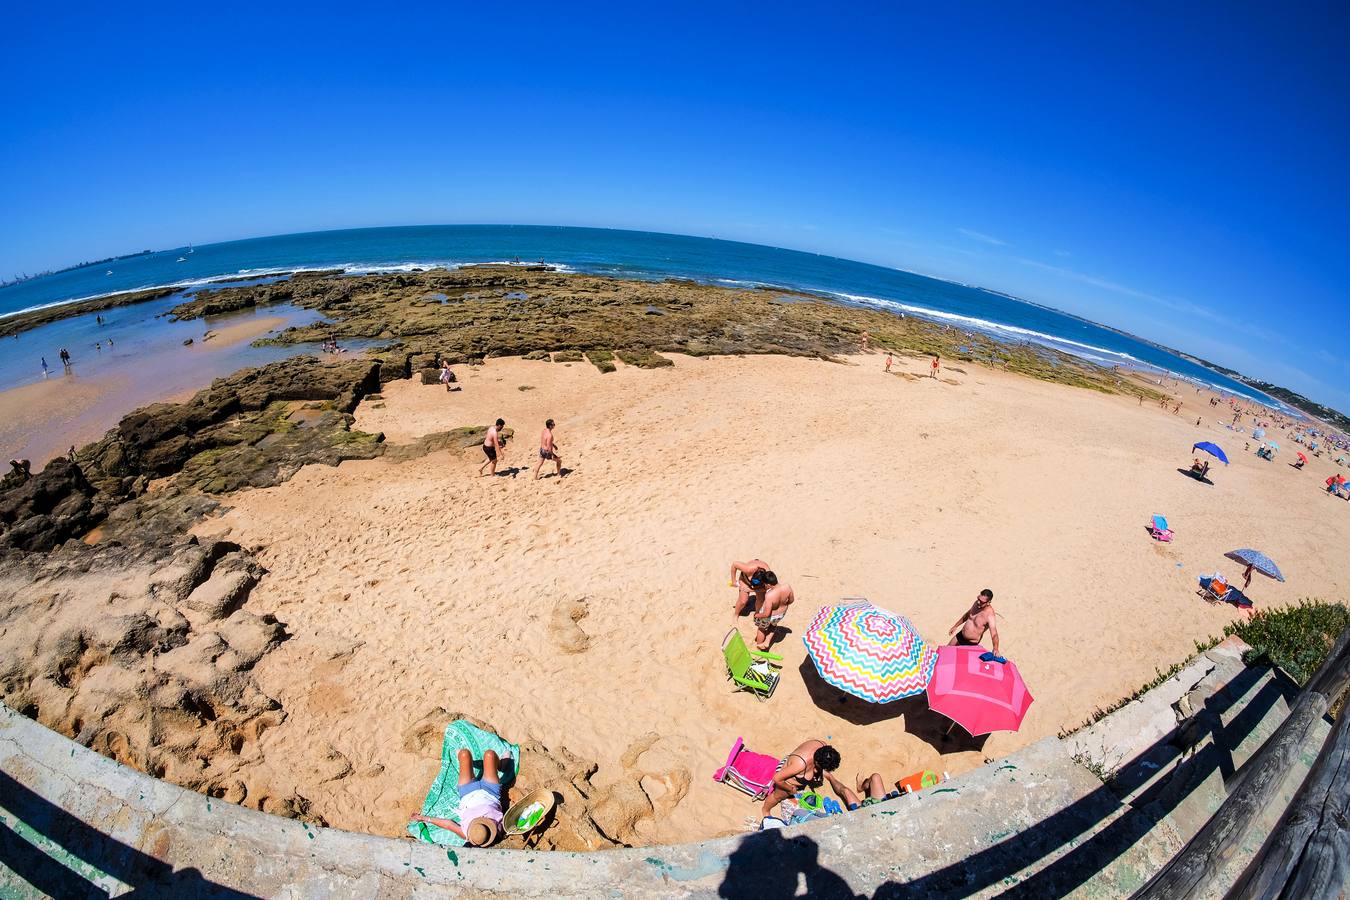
(1037, 822)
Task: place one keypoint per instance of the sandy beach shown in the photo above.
(586, 613)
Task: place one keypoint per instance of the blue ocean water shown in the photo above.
(630, 254)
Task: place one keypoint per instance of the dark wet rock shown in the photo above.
(49, 508)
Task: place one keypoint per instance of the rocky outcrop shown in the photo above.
(144, 654)
(56, 504)
(255, 428)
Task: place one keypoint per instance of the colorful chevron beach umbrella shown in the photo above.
(869, 652)
(979, 696)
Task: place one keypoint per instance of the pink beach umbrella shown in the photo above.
(979, 696)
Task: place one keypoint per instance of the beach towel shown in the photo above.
(443, 798)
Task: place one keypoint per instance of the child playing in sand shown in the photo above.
(548, 449)
(480, 802)
(936, 364)
(888, 360)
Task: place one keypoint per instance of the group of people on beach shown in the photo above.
(494, 445)
(813, 763)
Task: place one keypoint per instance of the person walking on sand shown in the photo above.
(45, 371)
(492, 447)
(548, 450)
(865, 339)
(888, 360)
(65, 357)
(975, 621)
(445, 373)
(936, 364)
(748, 579)
(802, 768)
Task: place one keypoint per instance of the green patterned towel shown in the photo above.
(443, 798)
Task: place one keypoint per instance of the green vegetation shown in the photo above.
(602, 360)
(644, 358)
(1295, 638)
(568, 356)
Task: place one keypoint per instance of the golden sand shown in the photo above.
(415, 586)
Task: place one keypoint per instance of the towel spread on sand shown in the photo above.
(443, 798)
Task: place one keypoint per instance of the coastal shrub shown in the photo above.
(1295, 638)
(566, 356)
(537, 355)
(602, 360)
(644, 358)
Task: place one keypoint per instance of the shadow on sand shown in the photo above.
(1191, 474)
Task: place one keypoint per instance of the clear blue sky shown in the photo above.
(1177, 170)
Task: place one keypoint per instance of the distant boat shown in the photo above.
(183, 258)
(190, 250)
(109, 272)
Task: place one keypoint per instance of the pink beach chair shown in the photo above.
(748, 771)
(1158, 528)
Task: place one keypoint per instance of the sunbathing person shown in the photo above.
(872, 790)
(801, 769)
(770, 610)
(748, 578)
(480, 802)
(975, 622)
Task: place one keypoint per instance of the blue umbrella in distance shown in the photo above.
(1257, 560)
(1213, 450)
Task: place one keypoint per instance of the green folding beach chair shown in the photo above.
(750, 670)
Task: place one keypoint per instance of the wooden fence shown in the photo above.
(1307, 854)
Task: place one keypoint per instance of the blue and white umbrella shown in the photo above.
(1257, 560)
(1259, 433)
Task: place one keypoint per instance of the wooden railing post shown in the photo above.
(1308, 853)
(1193, 871)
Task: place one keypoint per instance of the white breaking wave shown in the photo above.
(989, 326)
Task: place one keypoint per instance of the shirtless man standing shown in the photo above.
(492, 446)
(975, 622)
(548, 450)
(771, 610)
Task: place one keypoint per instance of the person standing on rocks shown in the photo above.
(548, 450)
(492, 447)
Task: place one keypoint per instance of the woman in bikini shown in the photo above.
(801, 769)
